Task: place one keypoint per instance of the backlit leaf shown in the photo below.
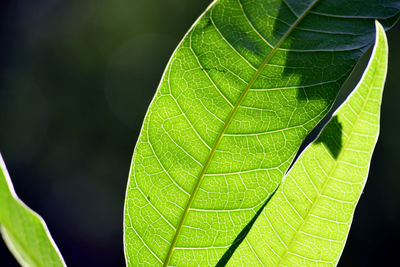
(245, 86)
(24, 231)
(307, 221)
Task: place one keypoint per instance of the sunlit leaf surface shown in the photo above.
(245, 86)
(307, 221)
(24, 232)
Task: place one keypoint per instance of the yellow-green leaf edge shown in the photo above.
(23, 230)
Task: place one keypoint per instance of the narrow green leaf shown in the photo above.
(245, 86)
(307, 221)
(24, 231)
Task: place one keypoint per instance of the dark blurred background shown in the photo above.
(76, 78)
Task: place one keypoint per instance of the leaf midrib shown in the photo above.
(225, 126)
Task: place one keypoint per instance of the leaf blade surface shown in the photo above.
(23, 230)
(307, 221)
(240, 93)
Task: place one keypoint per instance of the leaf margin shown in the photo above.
(10, 240)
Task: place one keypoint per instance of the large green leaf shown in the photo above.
(307, 221)
(245, 86)
(24, 231)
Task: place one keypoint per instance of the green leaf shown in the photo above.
(24, 231)
(307, 221)
(245, 86)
